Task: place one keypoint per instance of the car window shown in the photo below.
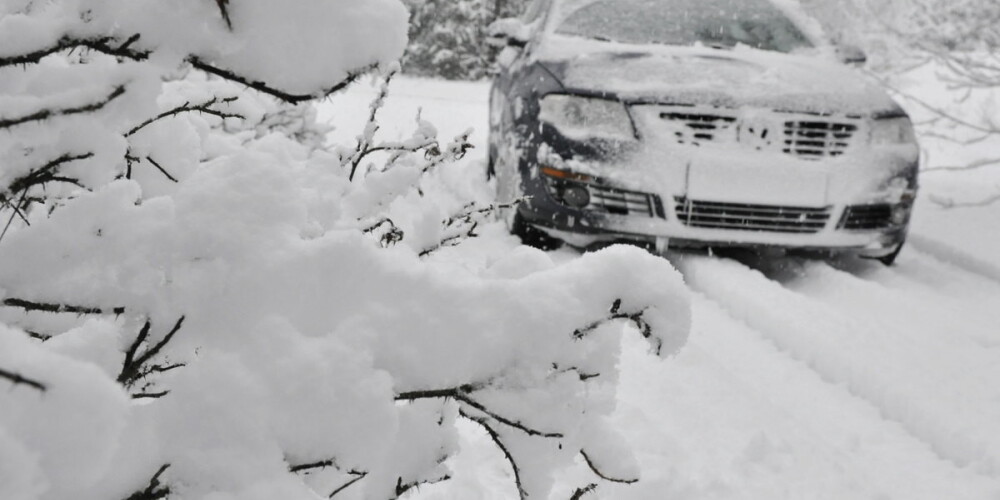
(717, 23)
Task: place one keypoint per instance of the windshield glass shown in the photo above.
(716, 23)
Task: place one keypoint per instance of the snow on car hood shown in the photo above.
(740, 77)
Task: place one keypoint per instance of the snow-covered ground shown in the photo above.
(801, 379)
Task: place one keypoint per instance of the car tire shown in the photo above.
(532, 236)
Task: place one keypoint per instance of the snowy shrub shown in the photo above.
(199, 299)
(448, 37)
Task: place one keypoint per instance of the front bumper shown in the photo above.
(612, 214)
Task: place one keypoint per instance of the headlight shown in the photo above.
(582, 118)
(891, 131)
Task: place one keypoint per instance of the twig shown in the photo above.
(590, 464)
(461, 394)
(45, 173)
(205, 108)
(51, 113)
(615, 314)
(580, 492)
(155, 490)
(18, 379)
(58, 308)
(495, 436)
(133, 368)
(161, 169)
(274, 92)
(102, 45)
(357, 477)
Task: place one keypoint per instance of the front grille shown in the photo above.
(700, 126)
(706, 214)
(621, 202)
(817, 139)
(866, 217)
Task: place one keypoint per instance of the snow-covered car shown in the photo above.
(695, 123)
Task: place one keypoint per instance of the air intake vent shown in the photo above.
(620, 202)
(818, 139)
(866, 217)
(762, 218)
(702, 127)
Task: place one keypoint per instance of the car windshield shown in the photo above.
(716, 23)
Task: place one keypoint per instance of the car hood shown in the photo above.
(731, 78)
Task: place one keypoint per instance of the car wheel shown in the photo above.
(532, 236)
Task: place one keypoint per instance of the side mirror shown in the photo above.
(508, 32)
(851, 55)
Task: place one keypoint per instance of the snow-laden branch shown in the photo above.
(466, 223)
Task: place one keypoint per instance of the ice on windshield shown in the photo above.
(716, 23)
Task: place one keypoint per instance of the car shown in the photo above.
(695, 124)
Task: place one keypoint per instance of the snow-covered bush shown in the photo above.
(200, 299)
(448, 37)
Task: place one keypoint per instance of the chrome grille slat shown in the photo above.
(746, 217)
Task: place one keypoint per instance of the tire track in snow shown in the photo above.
(947, 253)
(860, 354)
(731, 389)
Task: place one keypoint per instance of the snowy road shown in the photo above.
(801, 380)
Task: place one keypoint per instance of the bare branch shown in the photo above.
(274, 92)
(52, 113)
(187, 107)
(18, 379)
(467, 216)
(104, 45)
(593, 467)
(134, 366)
(45, 173)
(462, 395)
(357, 477)
(495, 436)
(161, 169)
(224, 10)
(155, 490)
(615, 314)
(580, 492)
(59, 308)
(392, 236)
(401, 488)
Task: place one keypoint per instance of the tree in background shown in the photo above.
(955, 42)
(448, 37)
